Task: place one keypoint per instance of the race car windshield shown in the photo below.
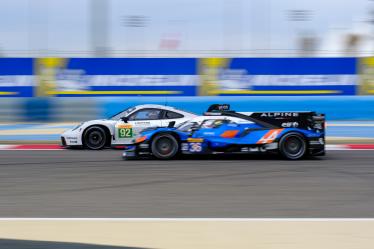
(186, 126)
(123, 113)
(213, 123)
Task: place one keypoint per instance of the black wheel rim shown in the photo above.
(294, 146)
(164, 146)
(95, 138)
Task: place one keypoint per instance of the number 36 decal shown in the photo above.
(195, 147)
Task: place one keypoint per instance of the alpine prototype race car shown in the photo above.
(222, 131)
(121, 128)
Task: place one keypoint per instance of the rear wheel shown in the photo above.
(94, 138)
(293, 146)
(164, 146)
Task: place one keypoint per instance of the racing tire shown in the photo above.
(293, 146)
(94, 138)
(164, 146)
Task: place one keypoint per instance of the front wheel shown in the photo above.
(293, 146)
(94, 138)
(164, 146)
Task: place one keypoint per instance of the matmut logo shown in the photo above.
(270, 136)
(279, 114)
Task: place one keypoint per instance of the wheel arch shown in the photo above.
(293, 131)
(105, 128)
(174, 134)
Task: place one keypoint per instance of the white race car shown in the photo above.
(121, 128)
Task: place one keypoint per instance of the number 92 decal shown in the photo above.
(125, 132)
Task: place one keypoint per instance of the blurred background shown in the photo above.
(122, 28)
(74, 60)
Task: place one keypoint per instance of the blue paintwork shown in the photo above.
(212, 136)
(295, 66)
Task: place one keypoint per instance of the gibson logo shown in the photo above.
(279, 114)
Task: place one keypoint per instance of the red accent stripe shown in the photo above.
(360, 146)
(38, 147)
(119, 147)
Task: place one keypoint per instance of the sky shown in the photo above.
(52, 27)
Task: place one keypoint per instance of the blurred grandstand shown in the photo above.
(191, 28)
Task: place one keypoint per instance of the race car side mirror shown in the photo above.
(125, 119)
(171, 124)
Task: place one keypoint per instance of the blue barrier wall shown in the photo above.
(94, 77)
(16, 77)
(335, 107)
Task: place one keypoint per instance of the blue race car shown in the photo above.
(222, 131)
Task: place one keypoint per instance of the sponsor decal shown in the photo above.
(118, 76)
(142, 122)
(144, 146)
(184, 146)
(270, 136)
(290, 124)
(72, 138)
(75, 77)
(318, 126)
(277, 76)
(321, 141)
(124, 126)
(208, 133)
(222, 107)
(279, 114)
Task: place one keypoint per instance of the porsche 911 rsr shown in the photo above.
(221, 131)
(121, 128)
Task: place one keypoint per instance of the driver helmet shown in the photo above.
(153, 114)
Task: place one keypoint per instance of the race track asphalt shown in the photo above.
(73, 183)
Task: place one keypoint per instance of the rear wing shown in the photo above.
(304, 120)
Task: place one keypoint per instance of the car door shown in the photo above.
(137, 121)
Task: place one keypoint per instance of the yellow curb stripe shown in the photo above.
(8, 93)
(112, 92)
(276, 92)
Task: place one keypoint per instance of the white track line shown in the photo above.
(187, 219)
(329, 147)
